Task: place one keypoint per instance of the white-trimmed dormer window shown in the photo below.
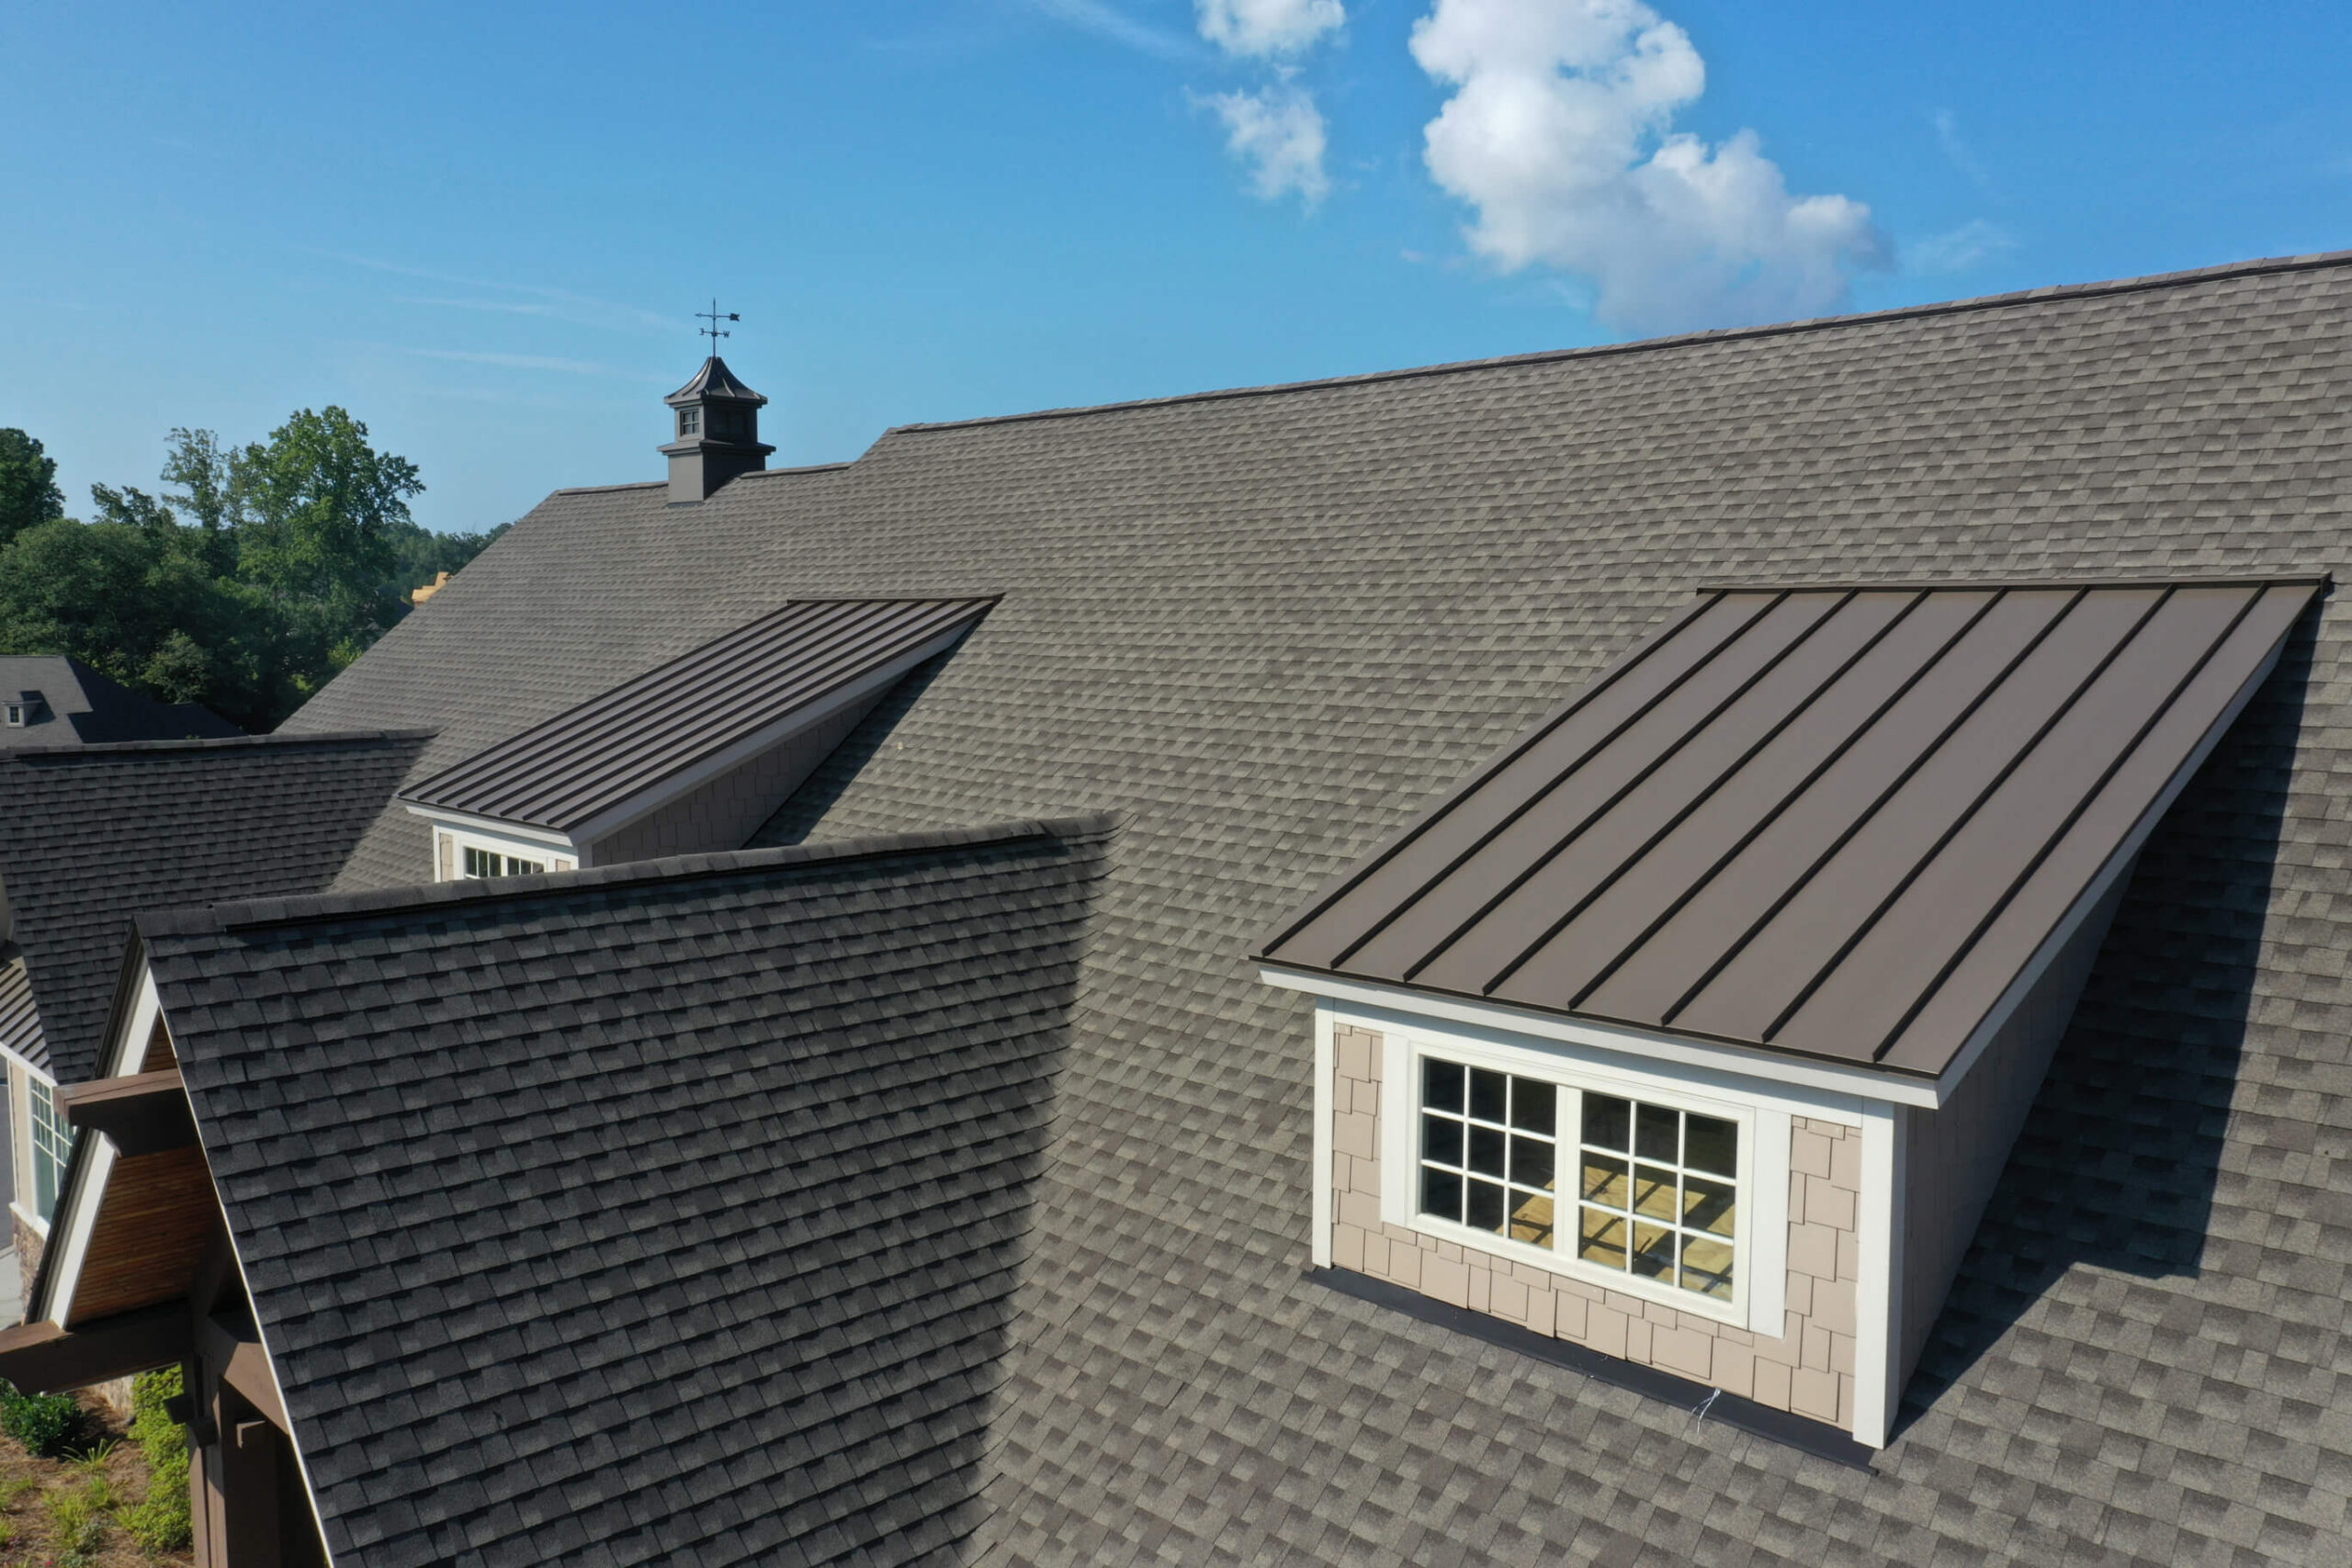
(483, 863)
(16, 715)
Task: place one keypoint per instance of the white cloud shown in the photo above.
(1267, 26)
(1559, 135)
(1963, 157)
(1960, 249)
(1279, 132)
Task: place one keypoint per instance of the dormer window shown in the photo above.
(481, 864)
(16, 715)
(689, 423)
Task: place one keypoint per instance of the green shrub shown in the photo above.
(160, 1521)
(79, 1517)
(47, 1425)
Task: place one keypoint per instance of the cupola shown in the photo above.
(716, 432)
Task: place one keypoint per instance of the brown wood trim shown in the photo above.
(144, 1113)
(41, 1358)
(244, 1366)
(153, 1217)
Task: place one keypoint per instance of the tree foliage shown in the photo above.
(258, 573)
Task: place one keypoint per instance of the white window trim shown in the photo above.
(555, 855)
(1759, 1299)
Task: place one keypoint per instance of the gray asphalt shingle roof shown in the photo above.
(1266, 626)
(79, 706)
(96, 834)
(670, 1213)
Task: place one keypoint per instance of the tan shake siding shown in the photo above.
(1808, 1370)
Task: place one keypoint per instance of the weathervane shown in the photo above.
(712, 332)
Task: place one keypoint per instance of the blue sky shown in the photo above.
(483, 228)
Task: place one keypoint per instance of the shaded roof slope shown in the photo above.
(1270, 626)
(80, 707)
(96, 834)
(705, 1254)
(573, 768)
(1839, 822)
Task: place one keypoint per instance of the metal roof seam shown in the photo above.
(2066, 825)
(2016, 757)
(1545, 790)
(1700, 798)
(1862, 818)
(1796, 793)
(1538, 862)
(1441, 808)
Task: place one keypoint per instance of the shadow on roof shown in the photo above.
(2118, 1163)
(798, 816)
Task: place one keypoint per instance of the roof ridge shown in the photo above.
(213, 743)
(2051, 294)
(262, 913)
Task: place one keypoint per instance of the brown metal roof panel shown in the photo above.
(1582, 955)
(1588, 855)
(1561, 806)
(1741, 895)
(1353, 906)
(1748, 996)
(1898, 950)
(601, 753)
(2011, 934)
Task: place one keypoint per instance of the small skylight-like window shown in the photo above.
(483, 863)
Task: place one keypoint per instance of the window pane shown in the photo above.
(1603, 1238)
(1530, 1162)
(1485, 1206)
(1653, 1252)
(1654, 1192)
(1442, 1139)
(1530, 1219)
(1487, 1094)
(1605, 1119)
(1441, 1085)
(1707, 1206)
(1706, 1267)
(1440, 1193)
(1532, 1105)
(1655, 1133)
(1713, 1144)
(1486, 1151)
(1604, 1181)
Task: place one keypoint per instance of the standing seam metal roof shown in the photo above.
(584, 762)
(1836, 821)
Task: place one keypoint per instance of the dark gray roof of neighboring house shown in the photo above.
(96, 834)
(665, 1214)
(1839, 822)
(79, 707)
(585, 762)
(1268, 627)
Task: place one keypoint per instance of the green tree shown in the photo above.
(318, 510)
(206, 492)
(29, 493)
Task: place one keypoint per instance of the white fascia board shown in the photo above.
(79, 1207)
(2117, 866)
(1878, 1292)
(679, 785)
(30, 1070)
(1325, 1076)
(1826, 1089)
(503, 834)
(128, 1048)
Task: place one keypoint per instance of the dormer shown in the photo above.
(690, 757)
(715, 433)
(1693, 1031)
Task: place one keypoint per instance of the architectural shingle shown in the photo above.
(1267, 626)
(670, 1213)
(97, 833)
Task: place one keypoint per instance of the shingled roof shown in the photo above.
(95, 834)
(670, 1213)
(1268, 626)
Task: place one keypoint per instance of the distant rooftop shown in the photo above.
(759, 679)
(53, 700)
(1840, 822)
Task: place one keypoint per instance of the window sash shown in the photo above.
(52, 1141)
